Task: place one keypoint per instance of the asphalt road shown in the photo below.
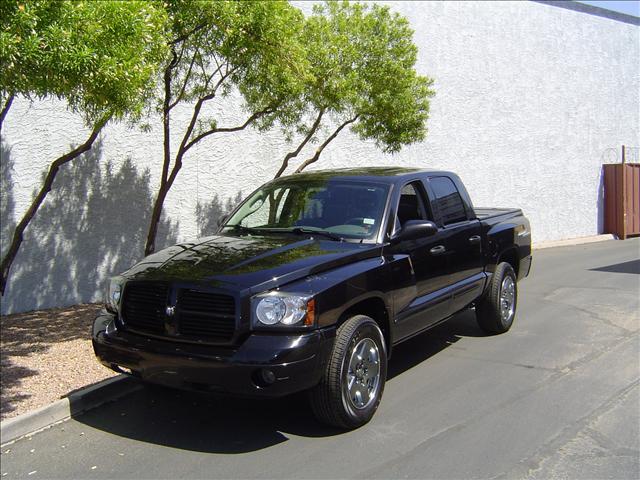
(556, 397)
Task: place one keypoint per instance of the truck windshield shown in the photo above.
(338, 208)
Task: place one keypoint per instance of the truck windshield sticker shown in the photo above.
(368, 221)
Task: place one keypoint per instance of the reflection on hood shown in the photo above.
(247, 261)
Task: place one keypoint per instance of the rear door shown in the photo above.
(462, 238)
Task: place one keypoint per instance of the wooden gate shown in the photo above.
(622, 199)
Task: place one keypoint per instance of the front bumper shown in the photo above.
(297, 361)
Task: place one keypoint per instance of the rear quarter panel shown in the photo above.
(504, 235)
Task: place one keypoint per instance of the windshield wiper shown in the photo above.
(242, 228)
(323, 233)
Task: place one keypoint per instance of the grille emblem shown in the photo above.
(170, 321)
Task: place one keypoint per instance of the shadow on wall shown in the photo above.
(7, 203)
(92, 224)
(208, 214)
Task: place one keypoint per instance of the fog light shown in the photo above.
(263, 377)
(268, 377)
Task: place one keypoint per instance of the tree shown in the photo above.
(363, 75)
(216, 47)
(100, 57)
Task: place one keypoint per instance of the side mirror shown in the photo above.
(414, 229)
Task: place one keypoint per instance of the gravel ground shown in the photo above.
(46, 355)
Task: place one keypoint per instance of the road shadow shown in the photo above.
(424, 346)
(217, 424)
(632, 266)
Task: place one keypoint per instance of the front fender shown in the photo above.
(339, 289)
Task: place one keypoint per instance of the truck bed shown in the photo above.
(489, 213)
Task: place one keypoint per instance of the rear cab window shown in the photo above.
(447, 200)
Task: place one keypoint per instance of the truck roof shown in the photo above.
(384, 174)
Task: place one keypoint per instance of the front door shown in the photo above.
(428, 258)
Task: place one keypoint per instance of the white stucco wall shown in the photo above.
(531, 100)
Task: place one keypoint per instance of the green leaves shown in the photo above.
(362, 64)
(251, 46)
(101, 57)
(348, 59)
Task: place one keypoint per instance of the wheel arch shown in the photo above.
(512, 257)
(375, 307)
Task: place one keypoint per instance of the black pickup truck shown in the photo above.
(309, 284)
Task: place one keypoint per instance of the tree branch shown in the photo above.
(186, 144)
(169, 178)
(166, 121)
(217, 70)
(17, 238)
(215, 59)
(5, 109)
(305, 140)
(331, 137)
(175, 61)
(184, 84)
(184, 37)
(222, 78)
(237, 128)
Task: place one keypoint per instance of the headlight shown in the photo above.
(283, 309)
(114, 292)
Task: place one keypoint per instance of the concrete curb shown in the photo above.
(75, 404)
(574, 241)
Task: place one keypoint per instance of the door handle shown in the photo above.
(475, 239)
(439, 250)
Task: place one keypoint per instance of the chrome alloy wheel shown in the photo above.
(363, 376)
(507, 299)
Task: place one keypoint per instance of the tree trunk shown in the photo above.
(150, 246)
(16, 241)
(5, 109)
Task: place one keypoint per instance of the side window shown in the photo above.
(448, 200)
(411, 205)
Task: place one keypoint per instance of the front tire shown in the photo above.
(351, 388)
(497, 309)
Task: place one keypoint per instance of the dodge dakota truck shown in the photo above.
(310, 283)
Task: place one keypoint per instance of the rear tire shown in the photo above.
(351, 388)
(497, 309)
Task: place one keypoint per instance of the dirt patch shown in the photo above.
(45, 355)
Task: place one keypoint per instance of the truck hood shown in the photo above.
(248, 262)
